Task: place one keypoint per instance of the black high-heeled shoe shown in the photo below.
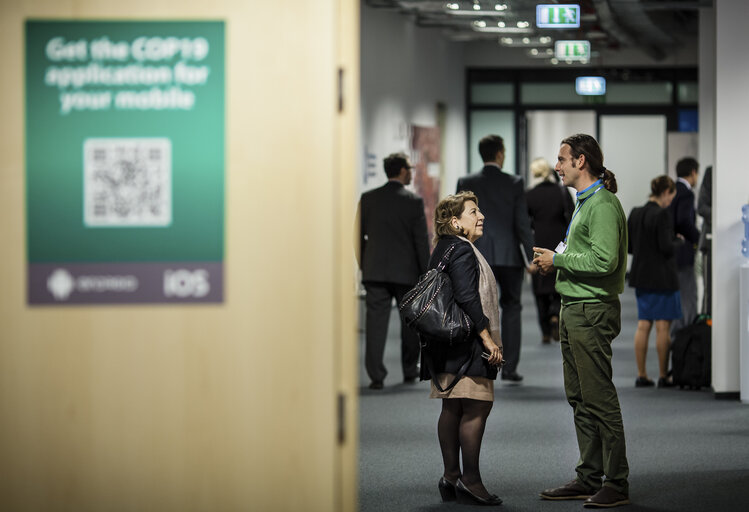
(447, 489)
(466, 497)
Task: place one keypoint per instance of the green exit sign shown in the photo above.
(557, 16)
(572, 50)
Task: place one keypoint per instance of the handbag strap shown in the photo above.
(430, 366)
(446, 258)
(461, 372)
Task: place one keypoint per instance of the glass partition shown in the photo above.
(689, 92)
(628, 93)
(550, 93)
(487, 122)
(492, 94)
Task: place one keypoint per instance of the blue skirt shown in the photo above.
(657, 304)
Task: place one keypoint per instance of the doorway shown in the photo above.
(545, 129)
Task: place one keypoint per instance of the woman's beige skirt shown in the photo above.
(477, 388)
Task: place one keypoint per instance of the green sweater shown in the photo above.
(593, 266)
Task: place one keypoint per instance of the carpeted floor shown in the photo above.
(687, 451)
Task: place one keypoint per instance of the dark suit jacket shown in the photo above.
(705, 209)
(682, 213)
(550, 208)
(393, 245)
(653, 244)
(502, 201)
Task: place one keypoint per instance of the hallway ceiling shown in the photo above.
(657, 28)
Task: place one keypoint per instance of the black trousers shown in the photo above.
(707, 276)
(379, 303)
(548, 305)
(510, 283)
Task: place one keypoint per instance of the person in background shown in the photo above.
(458, 223)
(683, 216)
(591, 263)
(550, 209)
(507, 232)
(393, 253)
(705, 210)
(653, 274)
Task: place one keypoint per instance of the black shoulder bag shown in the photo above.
(429, 308)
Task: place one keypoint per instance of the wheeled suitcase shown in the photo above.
(691, 354)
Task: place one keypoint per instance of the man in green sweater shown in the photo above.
(591, 262)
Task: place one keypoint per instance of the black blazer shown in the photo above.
(682, 213)
(550, 209)
(653, 245)
(464, 273)
(393, 244)
(502, 200)
(705, 209)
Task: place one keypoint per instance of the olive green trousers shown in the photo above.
(586, 331)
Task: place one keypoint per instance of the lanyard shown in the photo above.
(580, 204)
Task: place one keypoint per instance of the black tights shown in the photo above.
(461, 428)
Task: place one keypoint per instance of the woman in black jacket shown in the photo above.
(653, 274)
(466, 405)
(550, 208)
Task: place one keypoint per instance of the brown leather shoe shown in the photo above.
(606, 498)
(573, 490)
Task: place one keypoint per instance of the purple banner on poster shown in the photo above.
(120, 283)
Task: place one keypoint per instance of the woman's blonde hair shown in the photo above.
(449, 207)
(540, 168)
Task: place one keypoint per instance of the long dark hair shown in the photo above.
(582, 144)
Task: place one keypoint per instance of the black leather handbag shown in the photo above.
(429, 308)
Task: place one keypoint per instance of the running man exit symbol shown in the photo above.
(572, 50)
(557, 16)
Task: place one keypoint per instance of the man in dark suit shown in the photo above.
(507, 227)
(683, 215)
(393, 253)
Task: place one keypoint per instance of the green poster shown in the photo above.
(125, 161)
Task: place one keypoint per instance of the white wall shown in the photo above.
(681, 145)
(405, 72)
(634, 168)
(730, 184)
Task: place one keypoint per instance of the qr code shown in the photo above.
(127, 182)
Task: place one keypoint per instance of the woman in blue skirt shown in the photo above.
(653, 274)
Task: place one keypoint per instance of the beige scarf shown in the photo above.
(488, 293)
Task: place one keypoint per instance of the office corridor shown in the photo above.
(687, 451)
